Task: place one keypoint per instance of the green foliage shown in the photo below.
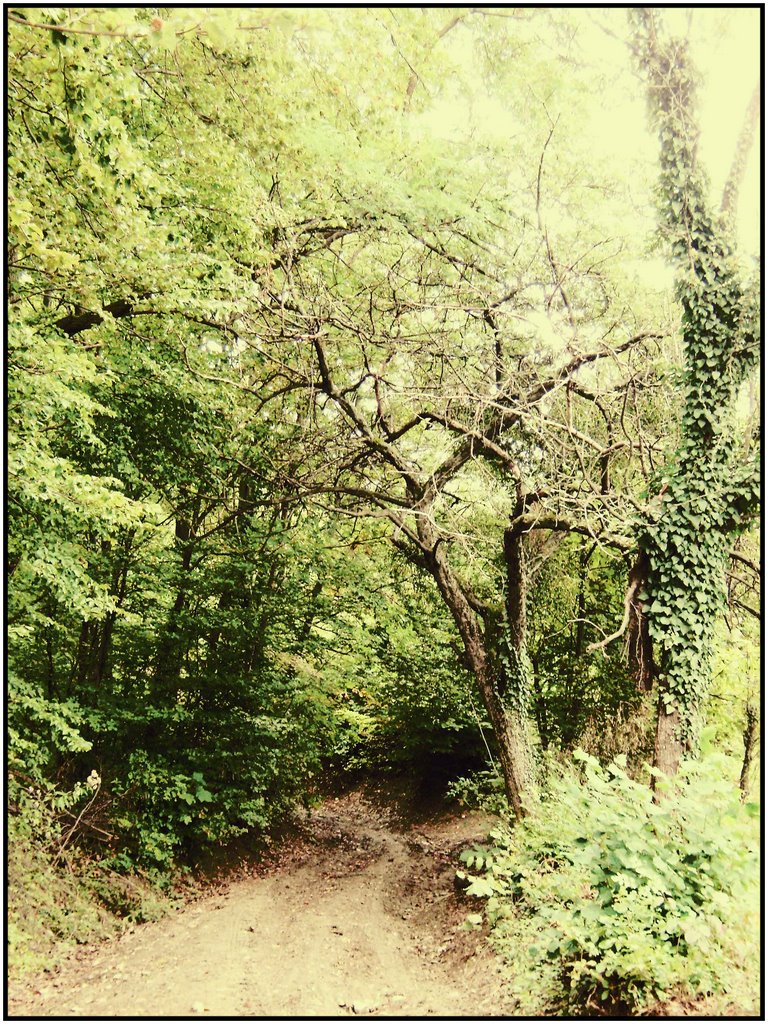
(182, 643)
(574, 601)
(57, 897)
(399, 694)
(735, 685)
(606, 902)
(423, 694)
(711, 490)
(169, 812)
(484, 789)
(39, 727)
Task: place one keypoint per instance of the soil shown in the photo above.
(355, 914)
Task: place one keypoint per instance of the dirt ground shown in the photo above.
(355, 915)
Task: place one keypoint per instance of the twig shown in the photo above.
(63, 29)
(628, 598)
(71, 832)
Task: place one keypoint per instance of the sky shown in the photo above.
(731, 64)
(725, 47)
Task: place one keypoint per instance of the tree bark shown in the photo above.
(668, 749)
(515, 597)
(639, 645)
(169, 653)
(119, 587)
(750, 743)
(91, 661)
(508, 722)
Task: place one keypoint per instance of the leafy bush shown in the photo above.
(40, 728)
(402, 696)
(57, 895)
(483, 789)
(423, 694)
(173, 806)
(606, 902)
(162, 803)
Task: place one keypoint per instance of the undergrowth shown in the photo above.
(604, 902)
(60, 895)
(483, 789)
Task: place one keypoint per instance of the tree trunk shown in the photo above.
(507, 718)
(514, 749)
(79, 672)
(170, 656)
(750, 743)
(118, 590)
(668, 749)
(515, 597)
(639, 645)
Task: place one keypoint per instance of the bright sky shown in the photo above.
(725, 46)
(732, 71)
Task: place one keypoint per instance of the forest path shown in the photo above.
(357, 917)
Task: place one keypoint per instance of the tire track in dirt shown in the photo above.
(361, 920)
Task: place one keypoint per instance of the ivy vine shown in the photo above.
(710, 493)
(516, 673)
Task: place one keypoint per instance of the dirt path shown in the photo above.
(359, 918)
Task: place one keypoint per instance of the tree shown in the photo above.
(327, 320)
(419, 397)
(710, 490)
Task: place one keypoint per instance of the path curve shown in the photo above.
(362, 920)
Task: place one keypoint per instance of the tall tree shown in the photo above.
(710, 490)
(327, 315)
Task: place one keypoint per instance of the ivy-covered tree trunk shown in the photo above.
(711, 490)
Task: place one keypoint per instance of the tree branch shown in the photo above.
(629, 597)
(559, 523)
(506, 417)
(741, 153)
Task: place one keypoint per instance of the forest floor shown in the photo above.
(353, 914)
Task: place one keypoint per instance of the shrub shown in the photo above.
(59, 896)
(606, 902)
(484, 789)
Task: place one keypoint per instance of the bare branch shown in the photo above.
(741, 153)
(756, 569)
(509, 417)
(634, 586)
(560, 523)
(747, 608)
